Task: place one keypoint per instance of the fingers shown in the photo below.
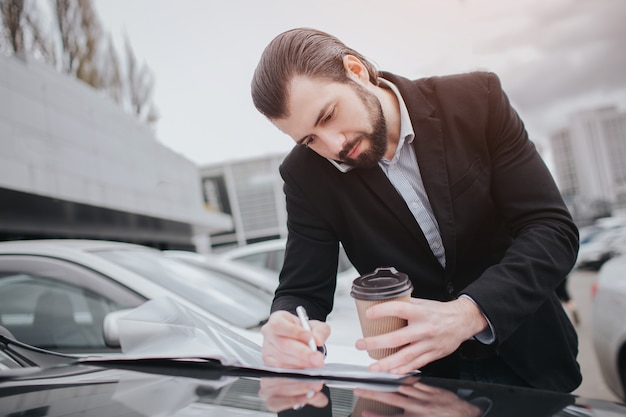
(285, 324)
(413, 355)
(285, 342)
(289, 387)
(420, 400)
(280, 403)
(321, 332)
(426, 338)
(389, 398)
(283, 393)
(424, 392)
(408, 359)
(400, 309)
(396, 338)
(287, 353)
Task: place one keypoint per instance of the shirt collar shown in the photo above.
(406, 128)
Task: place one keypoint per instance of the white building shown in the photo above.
(74, 164)
(590, 159)
(250, 190)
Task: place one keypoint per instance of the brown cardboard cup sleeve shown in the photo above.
(382, 285)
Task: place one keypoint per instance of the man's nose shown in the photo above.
(334, 142)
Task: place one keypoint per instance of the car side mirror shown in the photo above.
(111, 329)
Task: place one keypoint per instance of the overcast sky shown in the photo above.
(554, 57)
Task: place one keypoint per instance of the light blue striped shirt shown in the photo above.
(404, 173)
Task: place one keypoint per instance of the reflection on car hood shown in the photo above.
(167, 388)
(190, 387)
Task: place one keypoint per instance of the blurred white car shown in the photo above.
(262, 278)
(57, 294)
(343, 319)
(609, 323)
(270, 254)
(601, 246)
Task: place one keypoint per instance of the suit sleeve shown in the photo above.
(308, 276)
(544, 237)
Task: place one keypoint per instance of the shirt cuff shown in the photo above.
(487, 336)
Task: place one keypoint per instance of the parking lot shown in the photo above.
(593, 385)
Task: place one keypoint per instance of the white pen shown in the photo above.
(304, 320)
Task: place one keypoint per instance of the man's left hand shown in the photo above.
(434, 330)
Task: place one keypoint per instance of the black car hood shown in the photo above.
(173, 387)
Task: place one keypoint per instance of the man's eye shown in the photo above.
(329, 116)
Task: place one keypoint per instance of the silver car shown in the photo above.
(343, 319)
(58, 294)
(261, 278)
(55, 294)
(609, 323)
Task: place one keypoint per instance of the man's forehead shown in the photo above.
(305, 83)
(306, 98)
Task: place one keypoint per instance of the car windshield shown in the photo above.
(234, 302)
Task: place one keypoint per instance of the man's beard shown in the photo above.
(377, 138)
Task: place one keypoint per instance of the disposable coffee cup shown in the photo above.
(382, 285)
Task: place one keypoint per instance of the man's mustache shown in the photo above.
(343, 155)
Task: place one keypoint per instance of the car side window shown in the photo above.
(256, 259)
(57, 305)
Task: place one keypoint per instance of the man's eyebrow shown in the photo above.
(320, 116)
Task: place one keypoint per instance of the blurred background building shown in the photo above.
(589, 157)
(251, 191)
(73, 164)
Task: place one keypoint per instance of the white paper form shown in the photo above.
(161, 328)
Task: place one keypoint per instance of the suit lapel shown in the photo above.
(378, 183)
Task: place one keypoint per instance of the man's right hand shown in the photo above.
(285, 342)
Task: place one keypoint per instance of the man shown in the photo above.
(437, 178)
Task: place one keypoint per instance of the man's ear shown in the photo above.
(355, 69)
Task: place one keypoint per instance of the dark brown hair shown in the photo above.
(302, 51)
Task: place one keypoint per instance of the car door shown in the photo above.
(58, 305)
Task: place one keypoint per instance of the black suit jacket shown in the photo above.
(509, 239)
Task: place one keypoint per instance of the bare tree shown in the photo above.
(111, 74)
(12, 11)
(67, 18)
(42, 43)
(88, 69)
(80, 34)
(23, 32)
(79, 47)
(140, 86)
